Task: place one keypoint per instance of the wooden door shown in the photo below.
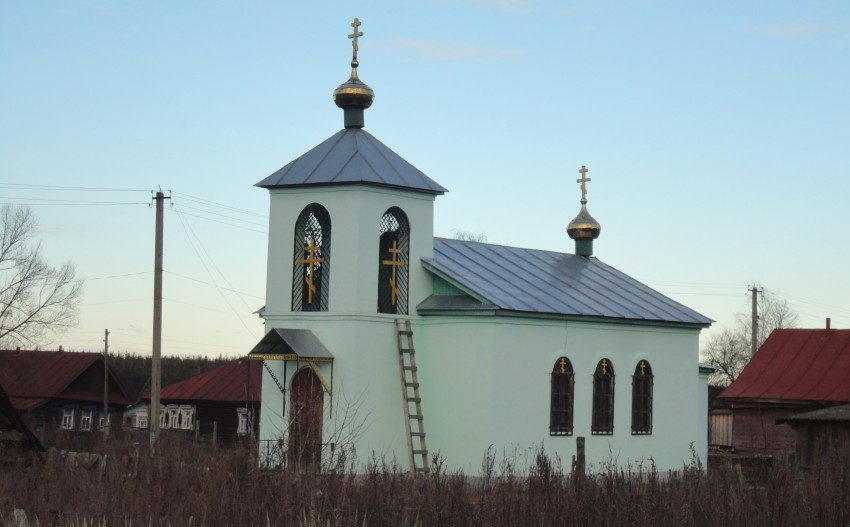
(305, 420)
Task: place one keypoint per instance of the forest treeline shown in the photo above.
(133, 369)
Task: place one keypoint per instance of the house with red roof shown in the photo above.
(60, 390)
(223, 403)
(794, 371)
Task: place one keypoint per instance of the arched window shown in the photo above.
(603, 399)
(393, 262)
(642, 399)
(561, 405)
(311, 266)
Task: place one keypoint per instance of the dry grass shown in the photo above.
(192, 485)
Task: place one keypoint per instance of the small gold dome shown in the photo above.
(583, 226)
(353, 93)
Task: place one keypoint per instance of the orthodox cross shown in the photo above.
(604, 362)
(311, 249)
(584, 179)
(643, 367)
(353, 37)
(563, 364)
(395, 262)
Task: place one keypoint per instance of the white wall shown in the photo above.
(493, 388)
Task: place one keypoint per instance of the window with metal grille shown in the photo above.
(602, 422)
(642, 399)
(311, 266)
(393, 262)
(561, 405)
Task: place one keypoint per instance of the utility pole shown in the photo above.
(755, 320)
(105, 383)
(156, 374)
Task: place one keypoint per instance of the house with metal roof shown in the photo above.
(222, 404)
(795, 371)
(60, 391)
(385, 340)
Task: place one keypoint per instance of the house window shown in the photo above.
(561, 404)
(242, 427)
(393, 262)
(311, 267)
(173, 416)
(142, 419)
(602, 422)
(164, 419)
(85, 420)
(68, 419)
(187, 417)
(642, 399)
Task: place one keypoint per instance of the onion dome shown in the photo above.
(354, 95)
(584, 228)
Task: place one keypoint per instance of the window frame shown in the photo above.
(86, 417)
(562, 398)
(68, 418)
(604, 389)
(643, 382)
(313, 226)
(394, 227)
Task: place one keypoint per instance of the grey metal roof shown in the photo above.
(546, 282)
(352, 155)
(302, 343)
(832, 414)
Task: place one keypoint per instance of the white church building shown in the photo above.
(382, 340)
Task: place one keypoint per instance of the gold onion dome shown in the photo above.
(583, 226)
(354, 93)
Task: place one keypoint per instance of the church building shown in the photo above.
(383, 340)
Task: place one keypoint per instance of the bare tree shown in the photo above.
(729, 351)
(469, 236)
(36, 299)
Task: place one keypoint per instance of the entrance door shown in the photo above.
(305, 420)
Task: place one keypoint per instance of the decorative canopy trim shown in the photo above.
(291, 345)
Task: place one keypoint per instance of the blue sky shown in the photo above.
(717, 135)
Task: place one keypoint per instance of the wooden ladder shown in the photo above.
(410, 395)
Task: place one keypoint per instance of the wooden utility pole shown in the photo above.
(105, 383)
(755, 321)
(156, 375)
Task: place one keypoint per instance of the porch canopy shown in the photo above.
(291, 345)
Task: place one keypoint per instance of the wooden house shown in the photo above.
(794, 371)
(60, 390)
(820, 434)
(222, 403)
(15, 435)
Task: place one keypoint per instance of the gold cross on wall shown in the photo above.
(604, 366)
(584, 179)
(311, 248)
(353, 37)
(643, 367)
(395, 262)
(563, 363)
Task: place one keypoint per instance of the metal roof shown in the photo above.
(31, 378)
(797, 365)
(291, 344)
(832, 414)
(352, 155)
(234, 381)
(546, 282)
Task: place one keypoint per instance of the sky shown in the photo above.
(716, 134)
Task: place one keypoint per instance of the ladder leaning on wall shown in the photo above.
(410, 396)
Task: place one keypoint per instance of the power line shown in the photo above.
(197, 199)
(212, 285)
(30, 186)
(222, 222)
